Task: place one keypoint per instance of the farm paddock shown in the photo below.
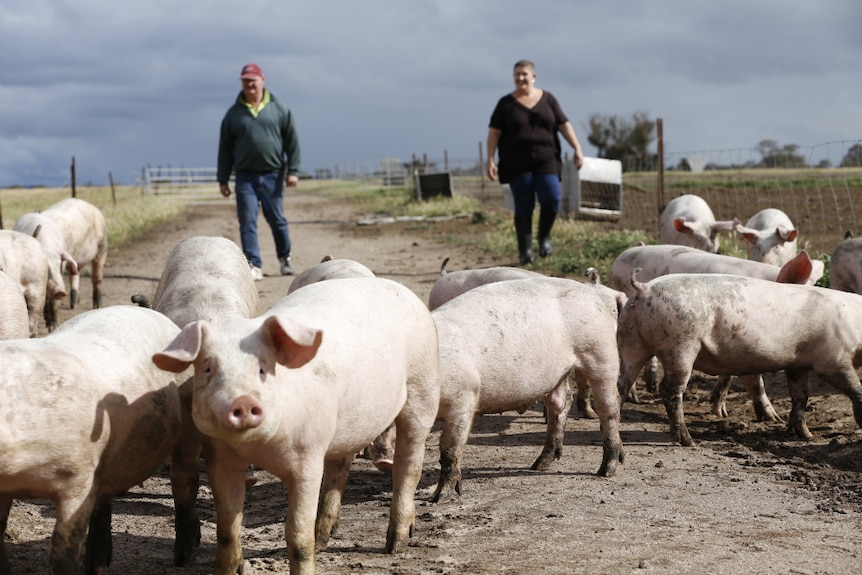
(747, 498)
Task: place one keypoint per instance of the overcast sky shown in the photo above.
(121, 85)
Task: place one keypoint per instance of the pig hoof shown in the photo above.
(250, 477)
(383, 463)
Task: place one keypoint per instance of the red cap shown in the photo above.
(251, 71)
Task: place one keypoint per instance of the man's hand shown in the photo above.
(224, 189)
(291, 181)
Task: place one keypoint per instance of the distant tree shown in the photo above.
(683, 165)
(617, 138)
(853, 157)
(775, 156)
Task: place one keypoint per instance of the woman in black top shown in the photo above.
(523, 131)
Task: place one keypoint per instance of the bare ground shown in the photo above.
(748, 498)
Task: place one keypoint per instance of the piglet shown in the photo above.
(687, 220)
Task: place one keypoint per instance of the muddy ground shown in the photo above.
(748, 498)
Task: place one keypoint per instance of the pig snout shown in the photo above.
(245, 413)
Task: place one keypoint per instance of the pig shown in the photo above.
(505, 344)
(299, 390)
(845, 265)
(23, 259)
(85, 416)
(659, 260)
(770, 237)
(14, 320)
(655, 261)
(728, 325)
(329, 268)
(73, 233)
(687, 220)
(452, 284)
(204, 278)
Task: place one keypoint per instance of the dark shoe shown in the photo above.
(286, 268)
(524, 234)
(546, 222)
(545, 247)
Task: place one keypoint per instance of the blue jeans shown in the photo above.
(526, 188)
(264, 189)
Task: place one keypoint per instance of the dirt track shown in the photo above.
(748, 498)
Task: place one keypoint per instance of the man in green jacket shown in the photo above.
(258, 142)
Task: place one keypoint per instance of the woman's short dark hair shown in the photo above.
(524, 64)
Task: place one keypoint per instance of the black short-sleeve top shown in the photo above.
(529, 142)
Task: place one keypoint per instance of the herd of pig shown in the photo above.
(349, 362)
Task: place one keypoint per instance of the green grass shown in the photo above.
(128, 219)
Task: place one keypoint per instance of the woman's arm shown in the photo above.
(493, 140)
(569, 134)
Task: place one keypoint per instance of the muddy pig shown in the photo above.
(299, 390)
(86, 415)
(732, 325)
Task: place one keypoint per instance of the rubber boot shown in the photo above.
(524, 233)
(546, 222)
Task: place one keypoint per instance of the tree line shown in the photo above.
(628, 140)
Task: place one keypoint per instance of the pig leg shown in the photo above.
(604, 386)
(99, 549)
(848, 381)
(412, 425)
(5, 506)
(74, 294)
(97, 271)
(70, 531)
(630, 369)
(671, 389)
(227, 481)
(184, 484)
(303, 493)
(718, 397)
(332, 490)
(456, 430)
(557, 405)
(585, 409)
(757, 392)
(382, 450)
(797, 384)
(50, 312)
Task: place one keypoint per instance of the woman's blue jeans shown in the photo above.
(526, 188)
(264, 190)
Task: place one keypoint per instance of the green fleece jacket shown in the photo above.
(257, 142)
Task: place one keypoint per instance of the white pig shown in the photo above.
(845, 265)
(655, 261)
(85, 415)
(770, 237)
(659, 260)
(506, 344)
(729, 325)
(24, 260)
(14, 320)
(204, 278)
(329, 268)
(73, 232)
(687, 220)
(453, 284)
(299, 389)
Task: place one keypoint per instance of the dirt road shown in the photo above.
(748, 498)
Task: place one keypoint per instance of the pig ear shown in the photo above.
(797, 270)
(682, 226)
(181, 352)
(786, 234)
(70, 262)
(749, 234)
(295, 344)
